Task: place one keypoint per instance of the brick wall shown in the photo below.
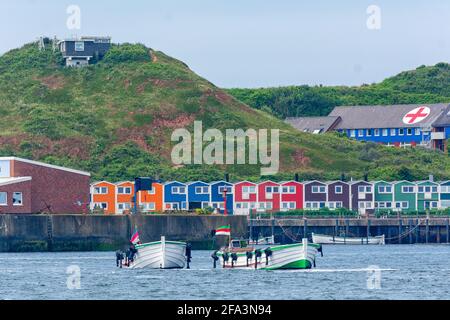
(25, 188)
(57, 188)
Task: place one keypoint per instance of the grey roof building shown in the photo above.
(444, 119)
(314, 124)
(427, 125)
(390, 116)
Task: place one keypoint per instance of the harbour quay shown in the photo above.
(65, 232)
(402, 230)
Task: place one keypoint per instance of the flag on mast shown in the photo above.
(135, 237)
(223, 231)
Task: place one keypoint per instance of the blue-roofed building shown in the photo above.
(217, 199)
(198, 195)
(175, 196)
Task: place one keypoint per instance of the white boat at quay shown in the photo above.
(161, 254)
(326, 239)
(289, 256)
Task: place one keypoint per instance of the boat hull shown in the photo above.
(291, 256)
(325, 239)
(160, 255)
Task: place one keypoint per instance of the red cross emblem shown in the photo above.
(416, 115)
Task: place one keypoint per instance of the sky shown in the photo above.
(255, 43)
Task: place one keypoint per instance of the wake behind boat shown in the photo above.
(326, 239)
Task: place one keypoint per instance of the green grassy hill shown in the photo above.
(423, 85)
(115, 119)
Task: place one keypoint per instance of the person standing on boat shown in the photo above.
(131, 252)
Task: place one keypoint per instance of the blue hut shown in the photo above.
(175, 196)
(198, 195)
(217, 196)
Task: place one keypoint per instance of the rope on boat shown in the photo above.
(287, 233)
(407, 232)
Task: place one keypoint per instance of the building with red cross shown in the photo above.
(426, 125)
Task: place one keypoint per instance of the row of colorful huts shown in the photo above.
(242, 197)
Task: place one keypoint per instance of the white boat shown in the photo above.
(160, 255)
(326, 239)
(289, 256)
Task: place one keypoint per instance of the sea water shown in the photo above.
(345, 272)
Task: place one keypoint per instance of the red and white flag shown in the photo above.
(223, 231)
(135, 237)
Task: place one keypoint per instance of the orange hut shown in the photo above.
(125, 194)
(152, 201)
(103, 195)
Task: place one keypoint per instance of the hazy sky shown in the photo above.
(250, 43)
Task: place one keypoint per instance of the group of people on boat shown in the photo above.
(128, 256)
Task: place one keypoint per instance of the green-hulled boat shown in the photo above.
(289, 256)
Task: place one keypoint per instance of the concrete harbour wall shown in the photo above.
(21, 233)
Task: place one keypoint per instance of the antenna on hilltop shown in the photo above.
(41, 44)
(55, 44)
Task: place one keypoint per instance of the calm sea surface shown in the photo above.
(406, 272)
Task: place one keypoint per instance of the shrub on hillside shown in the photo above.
(127, 53)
